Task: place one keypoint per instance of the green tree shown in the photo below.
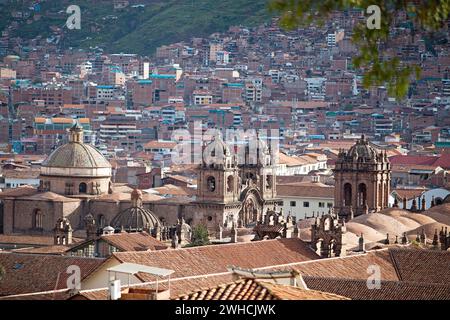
(200, 236)
(423, 16)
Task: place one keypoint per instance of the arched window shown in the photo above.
(230, 184)
(101, 221)
(362, 194)
(37, 219)
(211, 182)
(347, 194)
(268, 182)
(82, 188)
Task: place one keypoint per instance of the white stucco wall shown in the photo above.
(299, 211)
(437, 193)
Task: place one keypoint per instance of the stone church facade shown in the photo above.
(362, 180)
(76, 182)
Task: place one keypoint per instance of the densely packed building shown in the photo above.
(265, 137)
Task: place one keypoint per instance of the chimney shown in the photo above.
(114, 290)
(108, 230)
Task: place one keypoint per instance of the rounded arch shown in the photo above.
(348, 194)
(362, 194)
(82, 188)
(252, 206)
(101, 221)
(269, 182)
(230, 184)
(37, 219)
(211, 183)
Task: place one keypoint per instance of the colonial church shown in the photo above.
(362, 180)
(76, 186)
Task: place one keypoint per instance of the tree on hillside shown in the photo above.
(423, 16)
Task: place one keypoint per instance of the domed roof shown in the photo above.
(135, 219)
(76, 154)
(362, 150)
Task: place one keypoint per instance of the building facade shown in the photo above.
(362, 180)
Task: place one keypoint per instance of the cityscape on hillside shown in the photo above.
(204, 150)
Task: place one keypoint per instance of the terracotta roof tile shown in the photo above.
(216, 258)
(25, 273)
(305, 189)
(354, 267)
(28, 240)
(357, 289)
(19, 192)
(251, 289)
(136, 241)
(427, 266)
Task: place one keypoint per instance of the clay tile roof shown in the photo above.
(305, 189)
(409, 193)
(251, 289)
(422, 265)
(49, 196)
(171, 189)
(357, 289)
(25, 273)
(136, 241)
(54, 249)
(28, 240)
(18, 192)
(354, 267)
(160, 144)
(291, 161)
(215, 259)
(21, 173)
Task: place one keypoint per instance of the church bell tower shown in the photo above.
(362, 180)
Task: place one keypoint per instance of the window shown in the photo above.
(82, 188)
(330, 205)
(321, 204)
(305, 204)
(101, 221)
(293, 203)
(38, 219)
(211, 182)
(89, 251)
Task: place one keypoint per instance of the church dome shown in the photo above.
(362, 151)
(76, 158)
(136, 218)
(76, 155)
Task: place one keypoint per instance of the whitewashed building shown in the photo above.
(303, 199)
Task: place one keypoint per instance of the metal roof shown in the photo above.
(133, 268)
